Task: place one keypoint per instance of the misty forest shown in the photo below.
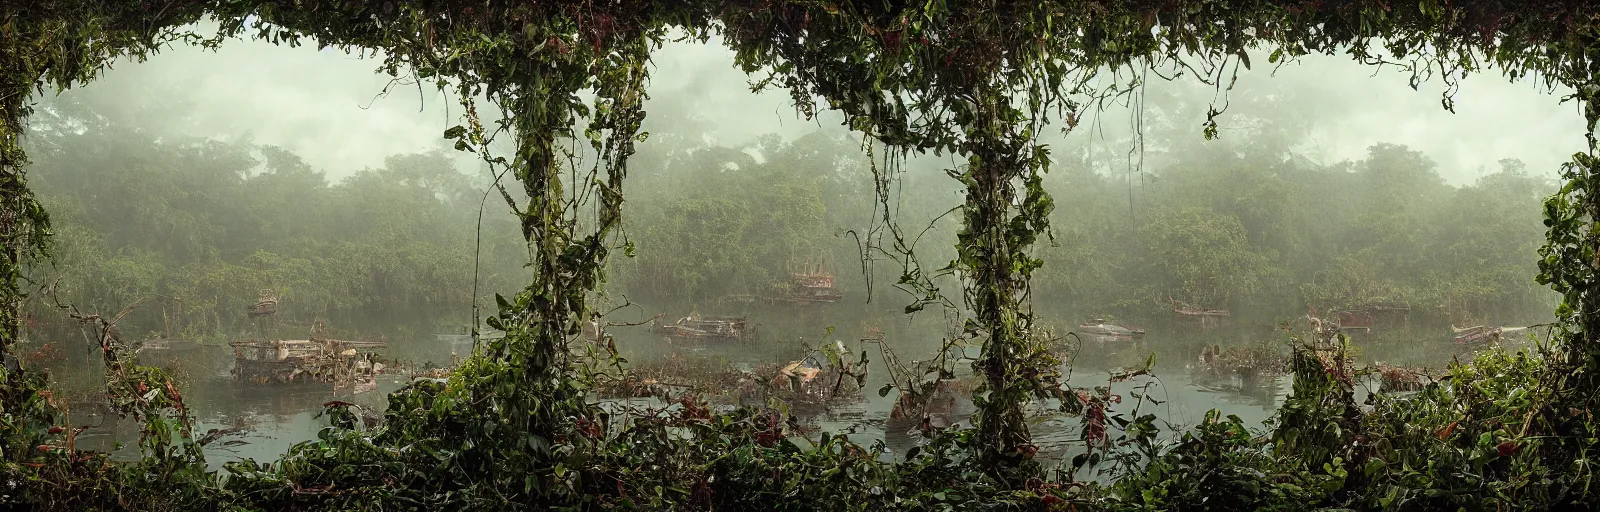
(799, 255)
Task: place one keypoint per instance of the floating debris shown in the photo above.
(696, 327)
(946, 403)
(168, 344)
(1249, 362)
(808, 386)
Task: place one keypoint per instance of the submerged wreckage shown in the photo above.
(345, 364)
(696, 327)
(1206, 317)
(1478, 334)
(810, 386)
(339, 362)
(1102, 331)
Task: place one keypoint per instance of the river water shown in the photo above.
(274, 417)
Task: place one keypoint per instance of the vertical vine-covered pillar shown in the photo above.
(1570, 259)
(567, 264)
(991, 250)
(15, 205)
(23, 222)
(23, 226)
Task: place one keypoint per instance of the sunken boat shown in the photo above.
(811, 282)
(812, 288)
(1475, 335)
(339, 362)
(1098, 330)
(1206, 317)
(712, 328)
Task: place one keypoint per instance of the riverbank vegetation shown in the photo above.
(211, 223)
(515, 426)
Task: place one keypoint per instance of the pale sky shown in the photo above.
(312, 102)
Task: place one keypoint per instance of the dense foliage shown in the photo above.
(1232, 223)
(1280, 233)
(980, 80)
(199, 227)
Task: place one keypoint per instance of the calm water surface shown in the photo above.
(275, 417)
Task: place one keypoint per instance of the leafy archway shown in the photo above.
(977, 79)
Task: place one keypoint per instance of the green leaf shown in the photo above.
(1374, 466)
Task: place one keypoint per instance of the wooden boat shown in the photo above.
(1356, 320)
(266, 305)
(315, 360)
(696, 327)
(1476, 334)
(1183, 309)
(1207, 317)
(1197, 312)
(807, 288)
(811, 282)
(1106, 329)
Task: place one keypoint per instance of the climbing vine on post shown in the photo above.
(992, 254)
(976, 79)
(1570, 258)
(57, 45)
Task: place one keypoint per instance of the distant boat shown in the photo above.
(1109, 329)
(315, 360)
(694, 326)
(1475, 335)
(266, 305)
(1207, 317)
(811, 282)
(1356, 320)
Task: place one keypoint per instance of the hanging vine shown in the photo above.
(977, 79)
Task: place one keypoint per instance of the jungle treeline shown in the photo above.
(198, 227)
(1246, 222)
